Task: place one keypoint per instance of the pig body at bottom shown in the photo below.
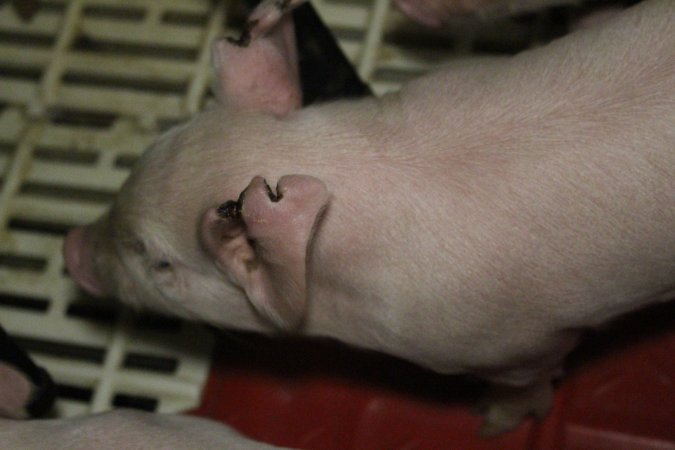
(477, 221)
(127, 429)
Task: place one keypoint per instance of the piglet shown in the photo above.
(123, 429)
(437, 13)
(432, 13)
(477, 221)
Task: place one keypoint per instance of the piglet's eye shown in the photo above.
(161, 265)
(138, 247)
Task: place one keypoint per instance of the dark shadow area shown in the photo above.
(289, 358)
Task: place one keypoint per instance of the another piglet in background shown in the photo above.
(123, 429)
(437, 13)
(26, 390)
(477, 221)
(431, 13)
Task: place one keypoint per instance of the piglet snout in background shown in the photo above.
(78, 254)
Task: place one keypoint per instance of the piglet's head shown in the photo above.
(183, 237)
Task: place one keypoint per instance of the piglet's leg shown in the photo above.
(505, 407)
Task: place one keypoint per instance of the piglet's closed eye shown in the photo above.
(264, 248)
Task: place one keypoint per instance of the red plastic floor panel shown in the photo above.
(618, 394)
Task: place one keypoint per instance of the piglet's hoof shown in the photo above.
(505, 407)
(263, 19)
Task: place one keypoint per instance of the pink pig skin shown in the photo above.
(123, 429)
(15, 392)
(477, 221)
(436, 13)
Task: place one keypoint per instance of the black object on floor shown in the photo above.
(44, 393)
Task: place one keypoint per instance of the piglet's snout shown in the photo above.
(79, 260)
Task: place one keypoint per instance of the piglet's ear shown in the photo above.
(265, 247)
(260, 75)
